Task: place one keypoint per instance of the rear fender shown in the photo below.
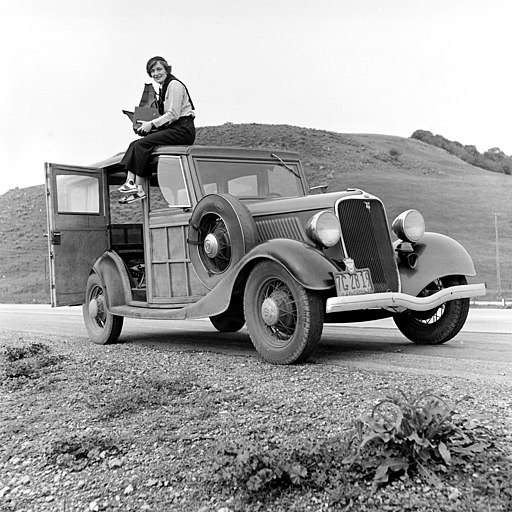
(438, 256)
(112, 271)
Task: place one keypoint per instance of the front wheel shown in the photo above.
(437, 325)
(284, 319)
(103, 327)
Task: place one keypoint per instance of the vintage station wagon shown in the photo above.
(235, 235)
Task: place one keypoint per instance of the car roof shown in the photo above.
(207, 152)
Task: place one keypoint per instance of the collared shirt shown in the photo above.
(176, 104)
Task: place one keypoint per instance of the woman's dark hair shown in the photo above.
(153, 61)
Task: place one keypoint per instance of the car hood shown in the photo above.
(305, 203)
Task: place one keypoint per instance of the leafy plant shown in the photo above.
(394, 153)
(27, 361)
(134, 394)
(77, 451)
(405, 434)
(12, 354)
(258, 467)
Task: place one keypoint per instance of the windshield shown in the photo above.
(250, 180)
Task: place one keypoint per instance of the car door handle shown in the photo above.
(55, 237)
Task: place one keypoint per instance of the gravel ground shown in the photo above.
(130, 428)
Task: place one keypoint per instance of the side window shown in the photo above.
(210, 188)
(77, 194)
(171, 181)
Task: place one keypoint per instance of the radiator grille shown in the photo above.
(367, 240)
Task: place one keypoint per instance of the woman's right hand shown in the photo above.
(145, 127)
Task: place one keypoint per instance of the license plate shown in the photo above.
(356, 283)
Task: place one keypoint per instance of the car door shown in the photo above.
(77, 228)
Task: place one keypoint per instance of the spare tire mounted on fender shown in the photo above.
(221, 232)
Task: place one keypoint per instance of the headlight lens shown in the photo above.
(409, 226)
(324, 229)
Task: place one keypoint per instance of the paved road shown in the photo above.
(482, 351)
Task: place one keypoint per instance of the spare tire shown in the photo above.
(221, 232)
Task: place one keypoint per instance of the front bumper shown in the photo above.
(398, 302)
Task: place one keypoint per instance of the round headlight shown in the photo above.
(324, 229)
(409, 226)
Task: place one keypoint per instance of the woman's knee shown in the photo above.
(141, 144)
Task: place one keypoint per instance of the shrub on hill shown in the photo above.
(492, 160)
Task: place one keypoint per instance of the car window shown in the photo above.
(172, 189)
(77, 194)
(249, 180)
(243, 186)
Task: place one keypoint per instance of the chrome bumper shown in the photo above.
(396, 301)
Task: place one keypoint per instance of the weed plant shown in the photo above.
(421, 436)
(413, 434)
(78, 451)
(27, 362)
(12, 354)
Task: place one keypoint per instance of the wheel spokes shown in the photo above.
(215, 226)
(101, 315)
(279, 293)
(433, 315)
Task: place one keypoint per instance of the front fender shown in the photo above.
(438, 256)
(112, 271)
(307, 265)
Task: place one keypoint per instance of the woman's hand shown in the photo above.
(145, 127)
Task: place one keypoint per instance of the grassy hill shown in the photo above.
(455, 198)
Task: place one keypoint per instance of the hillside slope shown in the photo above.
(456, 199)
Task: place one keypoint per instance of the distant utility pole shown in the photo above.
(498, 273)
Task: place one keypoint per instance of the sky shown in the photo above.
(348, 66)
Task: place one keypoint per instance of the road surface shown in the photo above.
(482, 351)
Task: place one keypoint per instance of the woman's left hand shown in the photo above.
(145, 127)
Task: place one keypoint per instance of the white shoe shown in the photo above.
(128, 187)
(139, 194)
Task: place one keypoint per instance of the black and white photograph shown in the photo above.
(255, 256)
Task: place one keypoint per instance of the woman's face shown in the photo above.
(158, 73)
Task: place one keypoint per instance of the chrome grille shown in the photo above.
(367, 240)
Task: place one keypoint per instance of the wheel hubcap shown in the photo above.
(211, 245)
(215, 244)
(277, 309)
(270, 311)
(96, 308)
(93, 308)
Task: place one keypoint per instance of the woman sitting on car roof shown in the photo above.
(175, 126)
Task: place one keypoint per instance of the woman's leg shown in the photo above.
(138, 154)
(136, 160)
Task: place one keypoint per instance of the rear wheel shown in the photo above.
(232, 320)
(284, 319)
(226, 324)
(103, 327)
(438, 325)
